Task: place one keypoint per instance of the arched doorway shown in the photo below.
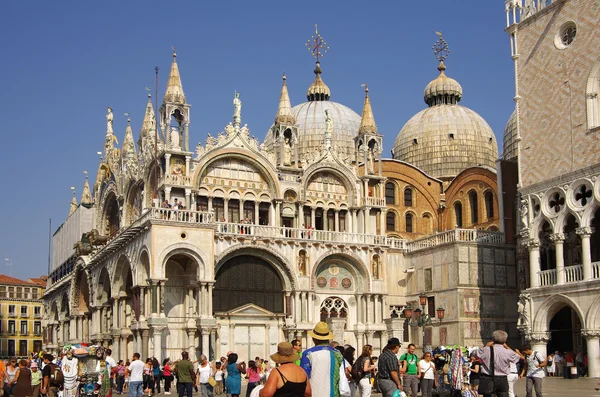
(249, 304)
(248, 279)
(565, 331)
(181, 272)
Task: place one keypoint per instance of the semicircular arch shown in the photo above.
(351, 262)
(185, 249)
(271, 256)
(342, 173)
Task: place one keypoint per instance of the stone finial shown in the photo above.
(174, 92)
(367, 122)
(284, 111)
(86, 195)
(73, 205)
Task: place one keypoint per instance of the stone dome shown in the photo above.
(510, 137)
(446, 138)
(310, 119)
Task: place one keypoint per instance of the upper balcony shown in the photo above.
(176, 180)
(573, 275)
(456, 235)
(374, 201)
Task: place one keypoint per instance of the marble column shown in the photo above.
(205, 332)
(539, 342)
(382, 226)
(256, 212)
(559, 240)
(313, 211)
(157, 337)
(191, 333)
(586, 254)
(337, 220)
(209, 299)
(145, 338)
(188, 202)
(592, 338)
(300, 222)
(226, 209)
(168, 164)
(534, 262)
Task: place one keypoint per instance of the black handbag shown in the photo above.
(486, 382)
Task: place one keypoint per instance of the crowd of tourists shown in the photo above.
(327, 369)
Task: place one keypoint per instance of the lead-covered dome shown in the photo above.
(310, 119)
(446, 138)
(510, 137)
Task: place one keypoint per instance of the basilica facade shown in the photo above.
(237, 244)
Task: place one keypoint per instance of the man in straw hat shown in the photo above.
(288, 378)
(322, 363)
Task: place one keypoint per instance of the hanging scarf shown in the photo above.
(456, 370)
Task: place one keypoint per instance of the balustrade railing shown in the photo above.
(547, 277)
(595, 270)
(456, 235)
(374, 201)
(573, 274)
(169, 214)
(176, 180)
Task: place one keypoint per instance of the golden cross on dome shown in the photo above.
(440, 48)
(316, 45)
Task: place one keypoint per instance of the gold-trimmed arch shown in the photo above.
(342, 173)
(357, 267)
(262, 165)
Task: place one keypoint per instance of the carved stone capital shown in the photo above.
(584, 231)
(590, 333)
(538, 337)
(533, 243)
(557, 237)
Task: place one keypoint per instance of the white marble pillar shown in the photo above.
(337, 220)
(157, 337)
(256, 212)
(559, 240)
(209, 293)
(277, 214)
(168, 194)
(310, 307)
(167, 164)
(187, 158)
(191, 333)
(205, 341)
(586, 254)
(226, 209)
(534, 262)
(304, 299)
(188, 202)
(382, 230)
(300, 222)
(592, 338)
(297, 306)
(313, 211)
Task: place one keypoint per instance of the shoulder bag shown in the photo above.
(486, 382)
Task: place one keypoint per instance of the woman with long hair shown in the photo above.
(156, 373)
(167, 375)
(120, 376)
(364, 360)
(253, 374)
(233, 382)
(148, 378)
(349, 358)
(9, 380)
(23, 380)
(426, 374)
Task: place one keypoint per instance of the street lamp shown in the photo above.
(419, 318)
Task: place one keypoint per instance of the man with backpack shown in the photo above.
(52, 377)
(409, 370)
(534, 370)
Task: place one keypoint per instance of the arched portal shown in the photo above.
(123, 289)
(565, 331)
(181, 272)
(112, 221)
(248, 279)
(103, 291)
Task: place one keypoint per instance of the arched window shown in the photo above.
(458, 214)
(409, 223)
(474, 207)
(390, 193)
(592, 97)
(333, 307)
(390, 222)
(489, 204)
(408, 197)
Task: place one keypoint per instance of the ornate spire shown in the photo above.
(86, 195)
(174, 92)
(367, 122)
(318, 90)
(443, 90)
(73, 205)
(149, 123)
(128, 142)
(284, 111)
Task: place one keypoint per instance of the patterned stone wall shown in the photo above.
(552, 86)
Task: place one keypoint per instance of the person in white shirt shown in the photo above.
(558, 361)
(426, 374)
(534, 370)
(136, 376)
(112, 364)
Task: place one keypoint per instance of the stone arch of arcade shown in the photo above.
(350, 262)
(251, 276)
(559, 320)
(183, 269)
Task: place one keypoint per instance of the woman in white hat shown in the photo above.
(288, 379)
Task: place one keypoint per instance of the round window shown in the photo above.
(565, 36)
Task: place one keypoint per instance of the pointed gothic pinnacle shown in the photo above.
(86, 195)
(284, 111)
(174, 92)
(73, 205)
(149, 123)
(128, 142)
(367, 122)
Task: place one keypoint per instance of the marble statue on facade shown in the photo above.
(375, 266)
(328, 130)
(237, 109)
(109, 120)
(371, 161)
(524, 214)
(524, 311)
(287, 152)
(175, 144)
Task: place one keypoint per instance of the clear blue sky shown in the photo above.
(64, 62)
